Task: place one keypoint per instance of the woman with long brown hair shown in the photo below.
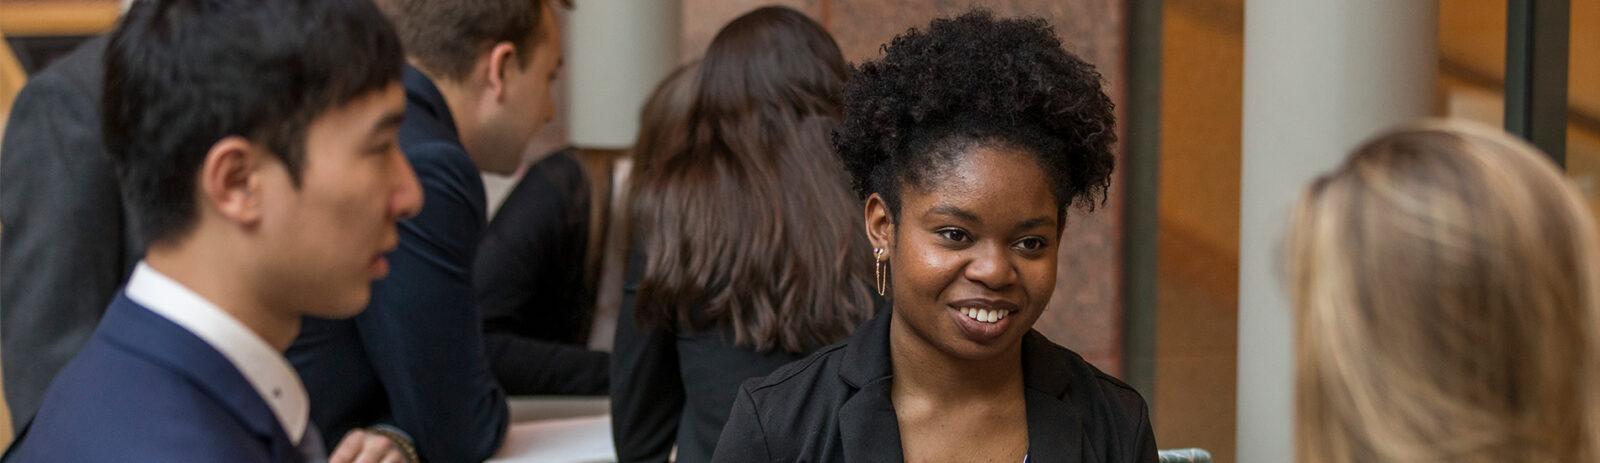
(1444, 281)
(747, 254)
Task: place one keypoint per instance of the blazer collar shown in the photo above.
(871, 432)
(866, 357)
(137, 330)
(423, 94)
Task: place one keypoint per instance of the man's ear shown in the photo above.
(229, 179)
(880, 224)
(502, 61)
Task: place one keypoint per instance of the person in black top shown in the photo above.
(529, 281)
(969, 142)
(746, 252)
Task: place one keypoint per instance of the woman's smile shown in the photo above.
(983, 320)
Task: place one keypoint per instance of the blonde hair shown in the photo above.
(1444, 280)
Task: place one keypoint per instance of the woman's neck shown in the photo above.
(956, 410)
(924, 372)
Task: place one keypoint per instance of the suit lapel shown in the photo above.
(133, 328)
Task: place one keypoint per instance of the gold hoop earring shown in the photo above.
(879, 267)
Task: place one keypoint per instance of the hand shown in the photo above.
(361, 446)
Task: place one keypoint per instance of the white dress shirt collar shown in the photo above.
(262, 365)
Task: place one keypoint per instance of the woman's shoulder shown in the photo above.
(1112, 413)
(804, 397)
(819, 369)
(1046, 358)
(790, 410)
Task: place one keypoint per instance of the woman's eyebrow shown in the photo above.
(1036, 222)
(953, 211)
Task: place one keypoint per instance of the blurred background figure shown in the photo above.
(747, 250)
(537, 301)
(68, 243)
(1444, 279)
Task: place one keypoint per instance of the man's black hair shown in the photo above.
(181, 75)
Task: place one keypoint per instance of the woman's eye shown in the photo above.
(1031, 244)
(953, 234)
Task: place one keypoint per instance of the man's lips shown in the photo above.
(379, 264)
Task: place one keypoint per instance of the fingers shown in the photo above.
(364, 447)
(376, 449)
(349, 447)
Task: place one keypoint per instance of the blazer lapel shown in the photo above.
(1055, 424)
(871, 432)
(1055, 432)
(137, 330)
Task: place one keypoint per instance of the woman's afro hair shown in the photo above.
(972, 81)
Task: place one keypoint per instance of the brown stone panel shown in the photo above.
(1090, 28)
(703, 18)
(1084, 313)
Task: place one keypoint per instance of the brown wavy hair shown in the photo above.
(751, 225)
(663, 120)
(1445, 284)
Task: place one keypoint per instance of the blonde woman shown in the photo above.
(1444, 280)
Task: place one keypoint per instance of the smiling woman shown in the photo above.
(969, 141)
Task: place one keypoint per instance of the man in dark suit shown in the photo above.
(415, 358)
(255, 141)
(67, 246)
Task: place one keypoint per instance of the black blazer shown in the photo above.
(834, 406)
(674, 387)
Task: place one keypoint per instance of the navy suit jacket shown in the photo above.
(415, 358)
(146, 390)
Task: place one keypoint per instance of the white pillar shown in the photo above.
(1319, 77)
(616, 51)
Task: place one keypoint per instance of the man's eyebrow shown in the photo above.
(389, 121)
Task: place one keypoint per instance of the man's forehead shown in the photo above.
(367, 109)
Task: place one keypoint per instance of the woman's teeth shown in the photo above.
(985, 315)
